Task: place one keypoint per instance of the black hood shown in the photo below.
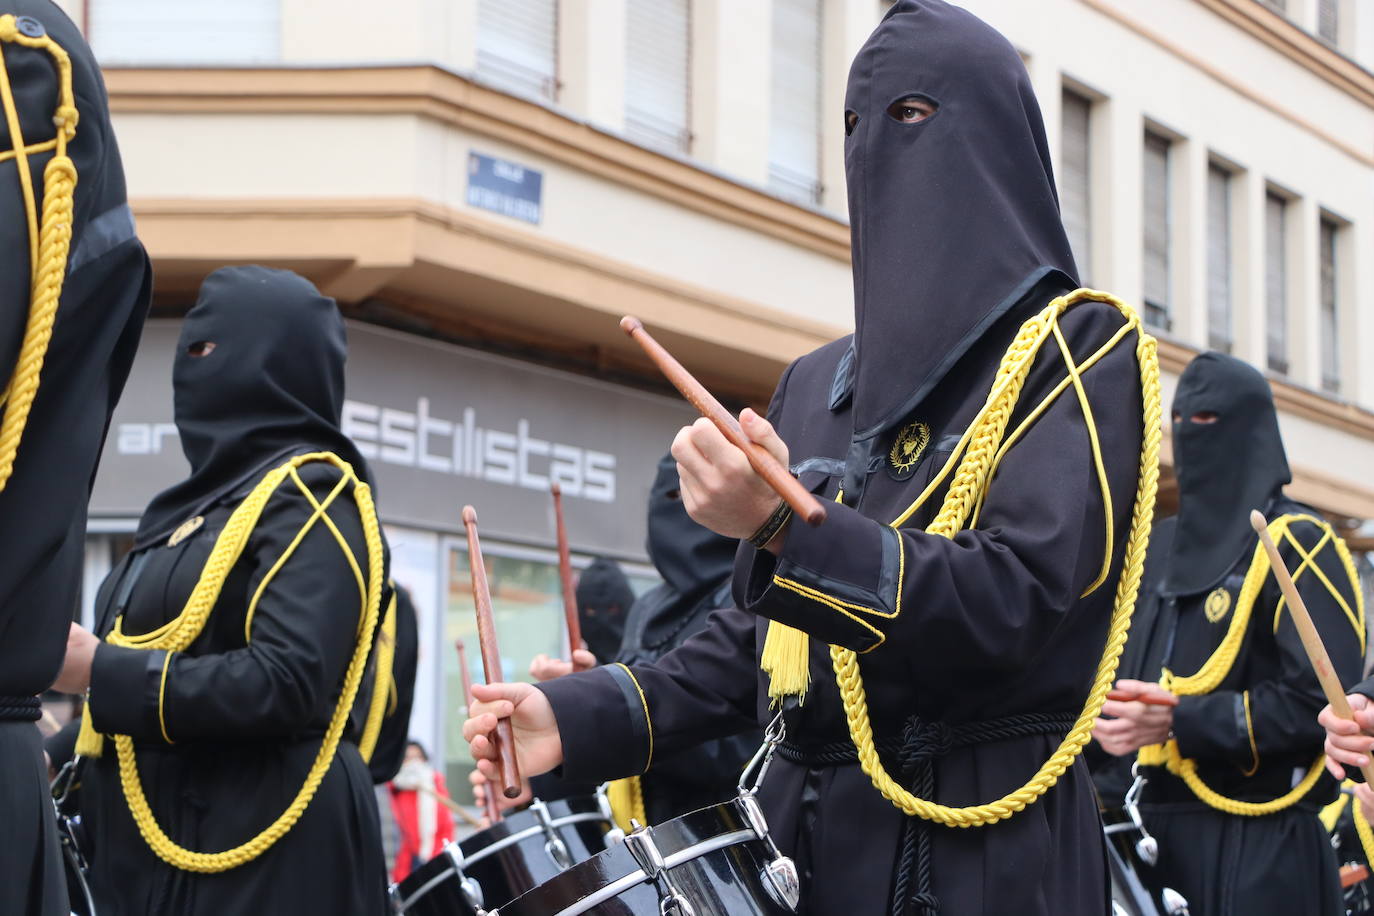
(604, 598)
(954, 217)
(272, 386)
(691, 559)
(1225, 469)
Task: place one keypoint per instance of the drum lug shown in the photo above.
(471, 889)
(782, 883)
(1147, 847)
(603, 804)
(554, 846)
(1174, 904)
(650, 859)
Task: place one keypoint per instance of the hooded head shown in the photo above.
(258, 373)
(690, 558)
(604, 598)
(1229, 460)
(951, 200)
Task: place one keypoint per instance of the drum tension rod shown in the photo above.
(641, 844)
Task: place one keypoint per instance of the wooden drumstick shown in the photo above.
(807, 507)
(1307, 631)
(503, 738)
(493, 808)
(565, 574)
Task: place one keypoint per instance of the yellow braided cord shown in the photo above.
(1362, 830)
(381, 683)
(982, 442)
(1218, 665)
(179, 633)
(627, 802)
(49, 241)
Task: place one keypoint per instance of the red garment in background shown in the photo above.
(415, 849)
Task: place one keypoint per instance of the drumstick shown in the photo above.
(807, 507)
(503, 738)
(493, 808)
(1307, 631)
(1149, 699)
(565, 574)
(453, 806)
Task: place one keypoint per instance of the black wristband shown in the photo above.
(769, 529)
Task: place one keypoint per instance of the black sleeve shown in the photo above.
(299, 639)
(614, 720)
(990, 598)
(1279, 714)
(390, 750)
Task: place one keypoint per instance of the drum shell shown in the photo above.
(724, 882)
(512, 869)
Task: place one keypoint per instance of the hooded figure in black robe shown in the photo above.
(1255, 736)
(43, 505)
(957, 240)
(225, 731)
(604, 599)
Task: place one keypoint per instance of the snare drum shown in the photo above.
(717, 861)
(497, 864)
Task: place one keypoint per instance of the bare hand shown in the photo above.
(719, 487)
(544, 668)
(1133, 724)
(75, 676)
(479, 795)
(538, 746)
(1348, 742)
(1365, 796)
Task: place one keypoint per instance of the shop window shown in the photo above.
(1075, 189)
(1276, 281)
(1156, 230)
(658, 73)
(794, 139)
(143, 32)
(1219, 323)
(517, 46)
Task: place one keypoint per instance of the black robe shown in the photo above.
(95, 335)
(1279, 863)
(991, 625)
(246, 718)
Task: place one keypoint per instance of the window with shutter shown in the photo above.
(1330, 318)
(1218, 258)
(657, 73)
(185, 31)
(517, 46)
(1276, 281)
(1329, 21)
(1156, 216)
(794, 139)
(1075, 195)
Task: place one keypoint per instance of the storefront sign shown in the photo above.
(442, 426)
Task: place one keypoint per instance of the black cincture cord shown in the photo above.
(20, 709)
(921, 745)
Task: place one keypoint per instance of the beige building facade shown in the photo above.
(681, 160)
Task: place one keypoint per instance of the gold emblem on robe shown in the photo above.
(908, 448)
(185, 530)
(1217, 604)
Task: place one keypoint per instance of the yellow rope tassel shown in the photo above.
(1218, 665)
(176, 635)
(627, 802)
(49, 241)
(982, 442)
(786, 654)
(381, 683)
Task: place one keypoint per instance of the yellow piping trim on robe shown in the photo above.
(162, 698)
(648, 723)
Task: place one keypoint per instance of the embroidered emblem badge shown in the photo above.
(907, 450)
(185, 530)
(1217, 604)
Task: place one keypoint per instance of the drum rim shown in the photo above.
(638, 876)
